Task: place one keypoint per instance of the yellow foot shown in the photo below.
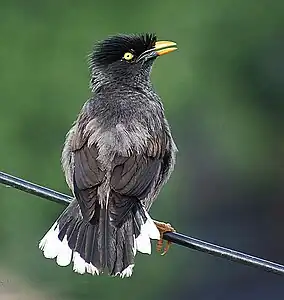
(163, 227)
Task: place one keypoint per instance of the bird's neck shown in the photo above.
(139, 81)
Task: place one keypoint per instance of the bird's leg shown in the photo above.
(163, 227)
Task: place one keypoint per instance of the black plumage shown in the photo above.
(116, 158)
(113, 48)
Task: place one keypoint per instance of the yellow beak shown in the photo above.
(164, 47)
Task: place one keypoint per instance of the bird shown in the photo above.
(117, 156)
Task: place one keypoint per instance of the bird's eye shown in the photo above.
(128, 56)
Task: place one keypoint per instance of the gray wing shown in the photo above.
(82, 169)
(143, 175)
(137, 175)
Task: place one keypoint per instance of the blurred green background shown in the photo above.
(223, 92)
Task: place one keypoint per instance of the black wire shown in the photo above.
(173, 237)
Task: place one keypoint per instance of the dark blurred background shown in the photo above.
(223, 92)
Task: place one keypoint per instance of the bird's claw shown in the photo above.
(163, 227)
(160, 245)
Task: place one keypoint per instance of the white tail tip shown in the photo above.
(148, 231)
(53, 247)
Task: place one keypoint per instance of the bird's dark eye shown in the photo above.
(128, 56)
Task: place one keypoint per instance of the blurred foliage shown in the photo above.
(223, 94)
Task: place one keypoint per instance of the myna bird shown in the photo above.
(116, 158)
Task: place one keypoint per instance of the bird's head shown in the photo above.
(126, 58)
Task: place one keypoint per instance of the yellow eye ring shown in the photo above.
(128, 56)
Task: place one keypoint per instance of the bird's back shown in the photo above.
(127, 105)
(124, 120)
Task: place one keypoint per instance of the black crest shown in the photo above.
(114, 47)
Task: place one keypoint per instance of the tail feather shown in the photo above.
(121, 251)
(64, 254)
(109, 242)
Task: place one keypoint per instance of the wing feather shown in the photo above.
(134, 175)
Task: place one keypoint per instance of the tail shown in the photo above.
(110, 241)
